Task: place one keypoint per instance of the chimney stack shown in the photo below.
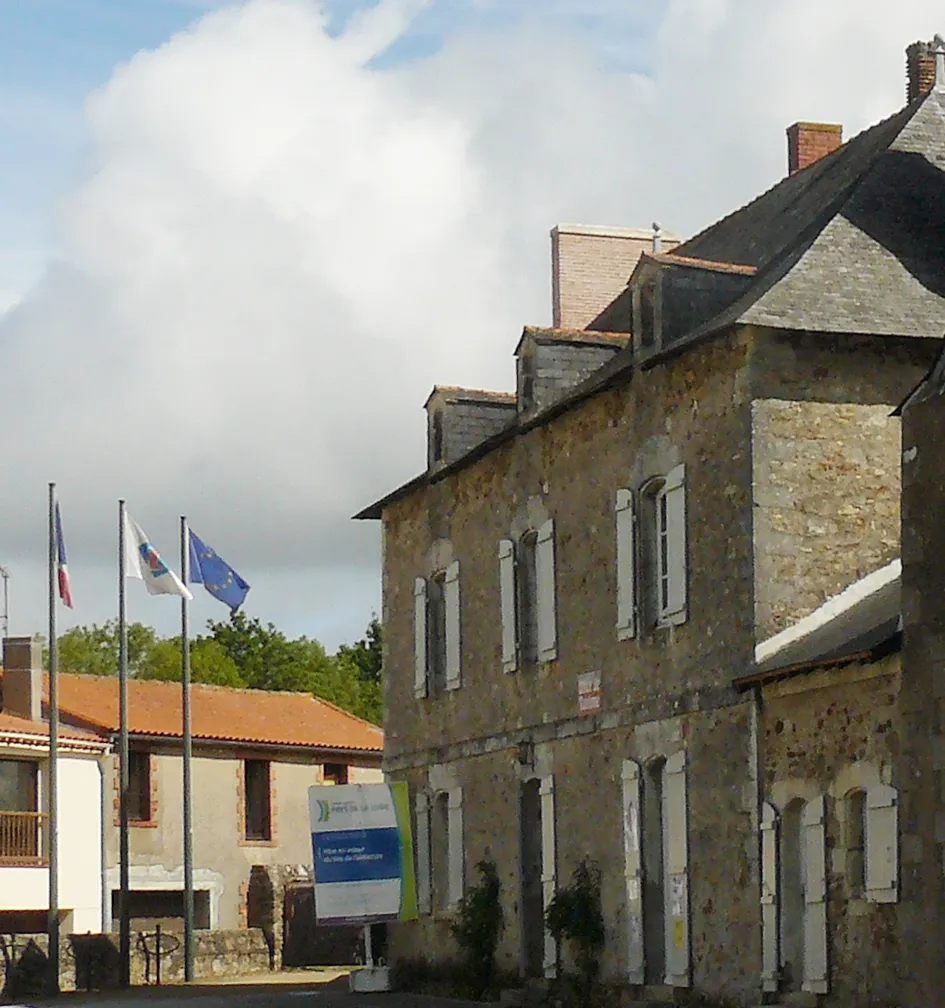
(809, 142)
(23, 677)
(920, 69)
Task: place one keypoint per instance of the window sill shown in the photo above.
(143, 823)
(24, 862)
(245, 842)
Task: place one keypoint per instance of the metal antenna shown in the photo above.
(5, 614)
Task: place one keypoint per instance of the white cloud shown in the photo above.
(278, 249)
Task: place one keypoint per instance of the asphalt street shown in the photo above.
(249, 996)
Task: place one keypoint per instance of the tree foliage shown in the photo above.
(242, 652)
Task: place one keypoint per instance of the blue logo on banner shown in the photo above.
(360, 855)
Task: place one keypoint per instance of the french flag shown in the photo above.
(65, 592)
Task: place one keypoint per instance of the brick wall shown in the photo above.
(590, 266)
(920, 70)
(809, 142)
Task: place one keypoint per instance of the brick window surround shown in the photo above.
(142, 789)
(256, 803)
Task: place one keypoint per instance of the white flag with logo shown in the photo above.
(143, 561)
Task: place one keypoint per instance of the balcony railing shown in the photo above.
(21, 838)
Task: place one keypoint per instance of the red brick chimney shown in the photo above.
(808, 142)
(920, 69)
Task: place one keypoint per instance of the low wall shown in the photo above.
(91, 962)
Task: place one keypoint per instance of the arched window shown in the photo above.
(440, 850)
(527, 581)
(855, 843)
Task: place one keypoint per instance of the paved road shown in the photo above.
(247, 996)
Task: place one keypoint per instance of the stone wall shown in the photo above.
(560, 366)
(669, 684)
(826, 503)
(91, 962)
(832, 732)
(920, 767)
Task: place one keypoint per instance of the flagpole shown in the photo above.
(188, 754)
(52, 921)
(124, 914)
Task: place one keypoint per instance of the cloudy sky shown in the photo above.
(241, 241)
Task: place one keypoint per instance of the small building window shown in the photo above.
(527, 582)
(436, 632)
(20, 819)
(663, 561)
(335, 773)
(440, 850)
(257, 819)
(18, 785)
(436, 438)
(526, 364)
(856, 844)
(139, 786)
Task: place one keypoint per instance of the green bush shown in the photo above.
(478, 925)
(574, 915)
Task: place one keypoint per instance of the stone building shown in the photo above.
(613, 619)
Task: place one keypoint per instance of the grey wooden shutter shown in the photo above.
(882, 845)
(456, 871)
(452, 627)
(625, 513)
(632, 870)
(770, 951)
(546, 791)
(676, 848)
(674, 491)
(422, 813)
(814, 854)
(420, 637)
(546, 594)
(509, 608)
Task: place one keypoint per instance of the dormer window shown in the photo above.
(647, 313)
(436, 438)
(526, 393)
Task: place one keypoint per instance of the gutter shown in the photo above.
(248, 744)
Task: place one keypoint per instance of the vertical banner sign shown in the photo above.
(363, 853)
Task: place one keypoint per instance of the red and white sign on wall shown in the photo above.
(588, 692)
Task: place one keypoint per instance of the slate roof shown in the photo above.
(218, 713)
(861, 623)
(854, 243)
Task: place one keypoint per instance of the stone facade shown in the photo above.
(837, 732)
(731, 412)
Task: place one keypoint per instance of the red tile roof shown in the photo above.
(10, 724)
(218, 713)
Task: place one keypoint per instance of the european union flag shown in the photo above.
(215, 574)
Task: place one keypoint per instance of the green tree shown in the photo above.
(209, 663)
(366, 654)
(265, 657)
(93, 650)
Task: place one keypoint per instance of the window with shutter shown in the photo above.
(546, 793)
(671, 552)
(436, 633)
(422, 813)
(507, 599)
(770, 951)
(457, 866)
(452, 627)
(420, 637)
(814, 854)
(676, 841)
(882, 845)
(526, 581)
(632, 870)
(545, 593)
(625, 515)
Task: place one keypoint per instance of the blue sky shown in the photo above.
(238, 247)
